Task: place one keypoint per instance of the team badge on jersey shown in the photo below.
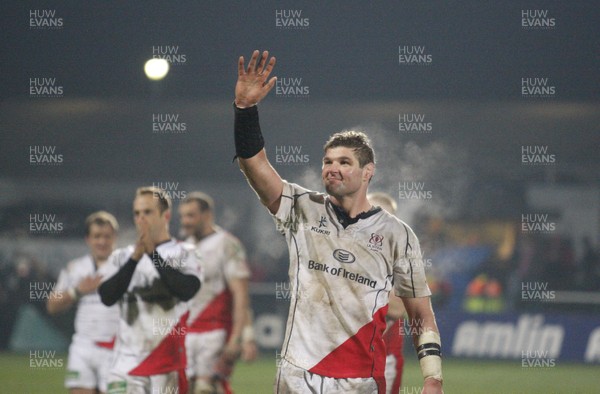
(375, 242)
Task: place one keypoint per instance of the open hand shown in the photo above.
(252, 85)
(144, 244)
(249, 351)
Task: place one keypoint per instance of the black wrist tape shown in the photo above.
(429, 349)
(248, 137)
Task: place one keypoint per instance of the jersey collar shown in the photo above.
(345, 219)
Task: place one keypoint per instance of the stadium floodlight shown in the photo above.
(156, 69)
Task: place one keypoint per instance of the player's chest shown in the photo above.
(83, 269)
(321, 230)
(345, 253)
(211, 262)
(145, 273)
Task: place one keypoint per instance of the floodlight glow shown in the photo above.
(156, 69)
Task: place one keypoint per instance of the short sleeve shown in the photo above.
(235, 260)
(182, 257)
(409, 268)
(115, 261)
(286, 217)
(64, 281)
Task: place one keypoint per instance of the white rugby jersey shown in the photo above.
(221, 257)
(94, 321)
(339, 280)
(152, 321)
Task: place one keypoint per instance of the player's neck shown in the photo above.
(162, 237)
(208, 230)
(99, 261)
(353, 206)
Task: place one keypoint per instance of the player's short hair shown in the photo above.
(204, 201)
(383, 198)
(164, 201)
(101, 218)
(358, 141)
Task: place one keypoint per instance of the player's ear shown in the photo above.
(167, 214)
(368, 172)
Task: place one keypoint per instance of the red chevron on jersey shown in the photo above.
(216, 315)
(361, 356)
(168, 356)
(108, 344)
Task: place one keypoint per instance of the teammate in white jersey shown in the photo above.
(90, 352)
(151, 281)
(218, 312)
(345, 258)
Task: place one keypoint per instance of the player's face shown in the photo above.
(193, 220)
(147, 215)
(101, 241)
(341, 172)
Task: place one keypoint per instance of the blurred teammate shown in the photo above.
(393, 335)
(219, 311)
(90, 353)
(345, 258)
(151, 281)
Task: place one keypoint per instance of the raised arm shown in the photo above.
(251, 87)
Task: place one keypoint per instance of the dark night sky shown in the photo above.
(349, 49)
(347, 56)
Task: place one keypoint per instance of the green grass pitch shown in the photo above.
(18, 376)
